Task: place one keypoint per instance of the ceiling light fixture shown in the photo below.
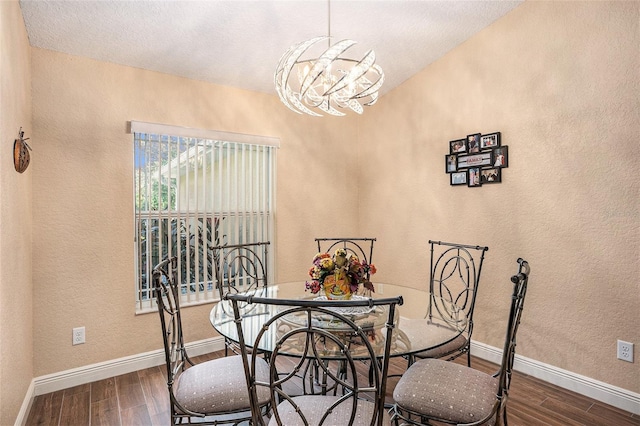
(328, 80)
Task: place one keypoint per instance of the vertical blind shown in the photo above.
(194, 193)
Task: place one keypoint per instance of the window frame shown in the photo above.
(225, 142)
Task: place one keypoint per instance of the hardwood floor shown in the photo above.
(140, 398)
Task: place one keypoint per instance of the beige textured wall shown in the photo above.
(83, 206)
(16, 339)
(560, 80)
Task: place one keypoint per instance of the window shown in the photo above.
(194, 190)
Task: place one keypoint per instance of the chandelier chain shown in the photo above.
(329, 20)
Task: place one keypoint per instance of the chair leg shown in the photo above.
(394, 420)
(371, 375)
(410, 360)
(501, 415)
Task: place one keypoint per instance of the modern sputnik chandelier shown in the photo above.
(329, 80)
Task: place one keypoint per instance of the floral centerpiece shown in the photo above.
(339, 275)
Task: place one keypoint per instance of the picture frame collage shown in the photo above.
(476, 160)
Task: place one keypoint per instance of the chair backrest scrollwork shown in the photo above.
(324, 383)
(520, 282)
(167, 293)
(453, 280)
(241, 268)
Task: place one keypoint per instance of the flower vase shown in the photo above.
(337, 287)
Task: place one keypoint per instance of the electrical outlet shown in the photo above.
(625, 351)
(78, 335)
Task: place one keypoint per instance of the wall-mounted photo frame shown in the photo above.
(475, 160)
(501, 157)
(491, 140)
(458, 146)
(493, 175)
(473, 179)
(458, 178)
(473, 143)
(451, 163)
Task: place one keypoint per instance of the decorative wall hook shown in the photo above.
(21, 157)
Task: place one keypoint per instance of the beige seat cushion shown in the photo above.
(219, 385)
(446, 390)
(314, 407)
(441, 351)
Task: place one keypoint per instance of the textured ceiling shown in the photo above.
(239, 43)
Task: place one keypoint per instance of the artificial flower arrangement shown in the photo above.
(339, 275)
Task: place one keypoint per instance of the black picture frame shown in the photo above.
(458, 178)
(451, 163)
(473, 178)
(473, 143)
(492, 175)
(490, 140)
(458, 146)
(501, 157)
(476, 160)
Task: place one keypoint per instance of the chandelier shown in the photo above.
(313, 81)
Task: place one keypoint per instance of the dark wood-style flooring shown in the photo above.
(140, 398)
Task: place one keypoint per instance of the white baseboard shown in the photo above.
(103, 370)
(116, 367)
(608, 394)
(603, 392)
(26, 406)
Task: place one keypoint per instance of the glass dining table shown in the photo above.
(415, 331)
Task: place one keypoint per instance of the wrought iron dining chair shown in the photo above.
(361, 247)
(305, 331)
(454, 277)
(240, 268)
(212, 392)
(434, 389)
